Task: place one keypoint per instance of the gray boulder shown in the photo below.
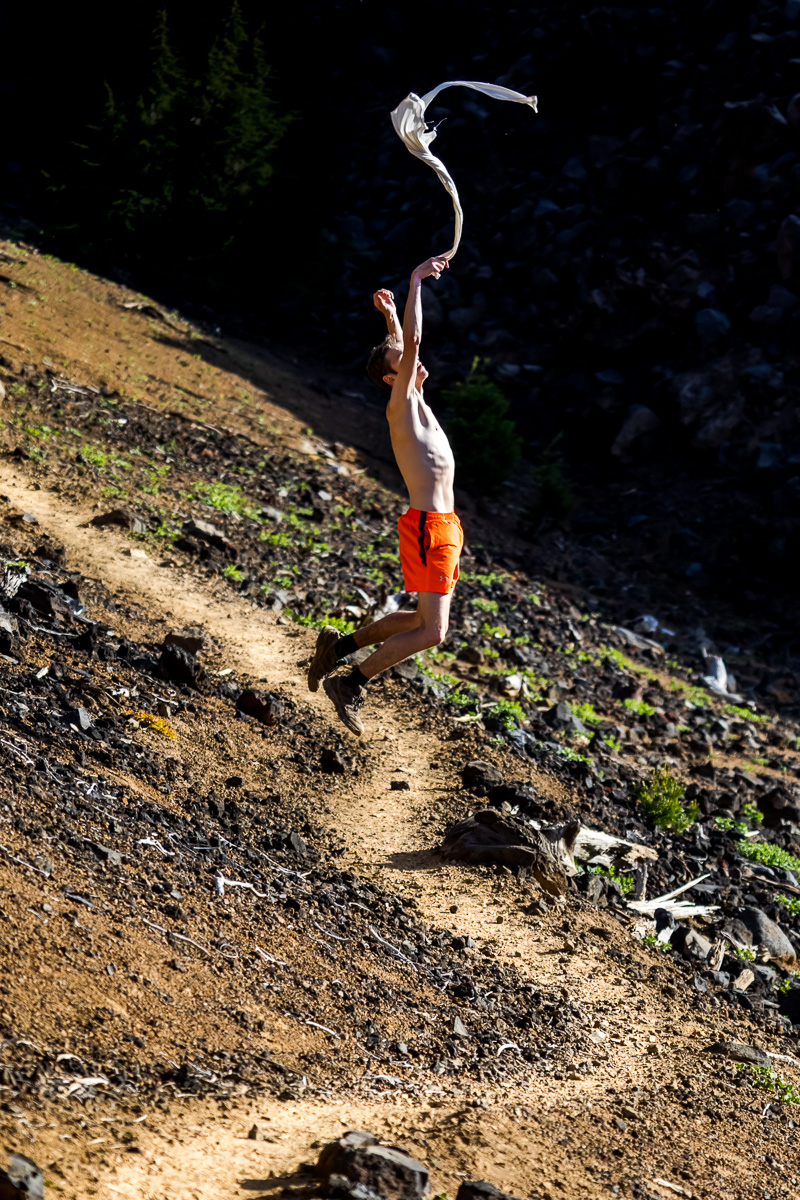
(767, 934)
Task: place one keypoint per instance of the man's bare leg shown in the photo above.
(430, 625)
(386, 627)
(432, 616)
(331, 648)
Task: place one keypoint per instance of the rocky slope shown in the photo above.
(213, 897)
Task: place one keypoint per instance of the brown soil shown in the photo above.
(548, 1137)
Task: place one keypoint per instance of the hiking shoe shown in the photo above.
(324, 660)
(348, 702)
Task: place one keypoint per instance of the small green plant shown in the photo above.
(652, 940)
(487, 606)
(483, 580)
(94, 457)
(227, 498)
(343, 626)
(586, 713)
(464, 696)
(493, 631)
(639, 707)
(753, 813)
(621, 660)
(790, 903)
(484, 439)
(768, 1080)
(572, 755)
(767, 854)
(275, 539)
(745, 954)
(613, 744)
(725, 823)
(509, 712)
(235, 573)
(744, 714)
(625, 882)
(660, 800)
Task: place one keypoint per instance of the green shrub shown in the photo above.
(484, 438)
(554, 495)
(768, 854)
(660, 799)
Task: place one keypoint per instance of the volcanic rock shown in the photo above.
(640, 422)
(361, 1159)
(190, 640)
(479, 776)
(741, 1052)
(332, 762)
(78, 717)
(180, 666)
(265, 707)
(561, 716)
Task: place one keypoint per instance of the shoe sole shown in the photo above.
(315, 677)
(333, 695)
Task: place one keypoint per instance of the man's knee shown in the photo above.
(435, 633)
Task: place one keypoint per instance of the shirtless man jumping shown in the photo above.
(431, 538)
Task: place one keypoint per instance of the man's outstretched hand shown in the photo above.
(384, 301)
(431, 266)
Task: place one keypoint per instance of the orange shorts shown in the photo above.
(430, 547)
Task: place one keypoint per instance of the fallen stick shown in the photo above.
(678, 908)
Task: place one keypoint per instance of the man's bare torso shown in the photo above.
(423, 454)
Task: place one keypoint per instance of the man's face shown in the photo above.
(393, 364)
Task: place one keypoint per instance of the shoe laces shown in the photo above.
(358, 699)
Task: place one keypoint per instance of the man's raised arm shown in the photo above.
(412, 324)
(384, 302)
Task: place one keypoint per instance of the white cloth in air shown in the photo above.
(409, 122)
